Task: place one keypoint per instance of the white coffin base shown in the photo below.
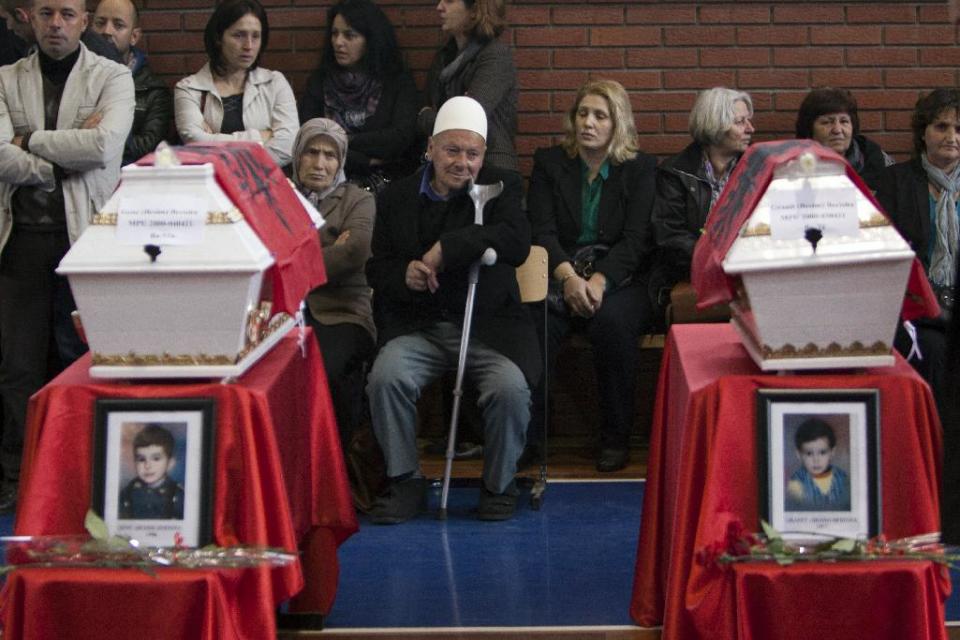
(196, 371)
(805, 363)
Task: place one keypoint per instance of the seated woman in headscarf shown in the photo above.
(590, 200)
(921, 198)
(339, 311)
(829, 116)
(363, 84)
(690, 183)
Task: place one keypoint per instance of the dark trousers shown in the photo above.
(346, 347)
(624, 316)
(932, 341)
(37, 336)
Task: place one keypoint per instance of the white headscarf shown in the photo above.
(310, 130)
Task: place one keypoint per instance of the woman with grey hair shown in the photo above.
(340, 311)
(690, 183)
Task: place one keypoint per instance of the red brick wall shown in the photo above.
(663, 52)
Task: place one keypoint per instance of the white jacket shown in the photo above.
(90, 157)
(268, 103)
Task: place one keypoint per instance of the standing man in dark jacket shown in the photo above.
(119, 23)
(424, 241)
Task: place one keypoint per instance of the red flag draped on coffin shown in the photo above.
(747, 184)
(258, 188)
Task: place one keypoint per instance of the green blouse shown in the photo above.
(590, 201)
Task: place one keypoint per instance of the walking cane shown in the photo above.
(480, 194)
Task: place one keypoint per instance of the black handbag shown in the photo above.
(584, 264)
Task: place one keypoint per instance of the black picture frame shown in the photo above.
(168, 501)
(818, 452)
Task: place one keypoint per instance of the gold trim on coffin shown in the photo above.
(832, 350)
(213, 217)
(763, 229)
(186, 360)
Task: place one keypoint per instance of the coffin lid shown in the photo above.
(745, 187)
(270, 206)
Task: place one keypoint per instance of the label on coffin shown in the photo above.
(174, 220)
(833, 211)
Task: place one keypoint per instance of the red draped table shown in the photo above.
(279, 480)
(703, 477)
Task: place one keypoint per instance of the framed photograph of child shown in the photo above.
(819, 458)
(153, 469)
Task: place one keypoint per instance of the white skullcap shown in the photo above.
(461, 112)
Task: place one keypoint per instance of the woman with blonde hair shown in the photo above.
(590, 201)
(473, 62)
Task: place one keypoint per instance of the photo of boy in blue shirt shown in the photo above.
(152, 495)
(819, 484)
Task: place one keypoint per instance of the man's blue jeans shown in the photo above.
(408, 363)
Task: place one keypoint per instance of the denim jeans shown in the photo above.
(408, 363)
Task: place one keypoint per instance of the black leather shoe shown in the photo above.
(402, 501)
(8, 498)
(612, 460)
(497, 506)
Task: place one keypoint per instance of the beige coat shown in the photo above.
(268, 103)
(346, 296)
(90, 158)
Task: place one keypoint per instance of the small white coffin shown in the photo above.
(194, 311)
(821, 272)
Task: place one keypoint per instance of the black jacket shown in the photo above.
(874, 161)
(623, 218)
(152, 117)
(683, 202)
(387, 134)
(904, 195)
(500, 321)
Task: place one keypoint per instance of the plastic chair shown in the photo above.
(533, 279)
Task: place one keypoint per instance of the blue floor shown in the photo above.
(571, 563)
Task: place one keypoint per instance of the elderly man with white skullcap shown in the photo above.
(424, 241)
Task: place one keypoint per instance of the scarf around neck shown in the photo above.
(942, 259)
(350, 97)
(453, 69)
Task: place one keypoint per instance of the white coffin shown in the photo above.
(835, 307)
(194, 312)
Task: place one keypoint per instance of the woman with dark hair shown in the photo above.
(474, 63)
(921, 197)
(231, 97)
(590, 201)
(829, 116)
(363, 85)
(339, 311)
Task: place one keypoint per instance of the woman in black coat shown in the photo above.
(594, 194)
(363, 85)
(921, 197)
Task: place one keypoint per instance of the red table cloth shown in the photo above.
(96, 604)
(703, 473)
(279, 478)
